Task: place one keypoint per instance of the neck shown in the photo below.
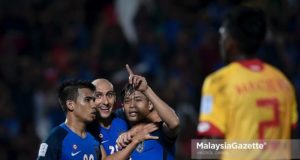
(76, 126)
(237, 56)
(153, 117)
(106, 123)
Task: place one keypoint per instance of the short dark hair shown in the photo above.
(248, 26)
(68, 90)
(127, 90)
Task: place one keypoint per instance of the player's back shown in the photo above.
(247, 101)
(259, 100)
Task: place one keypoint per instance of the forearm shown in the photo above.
(165, 112)
(123, 154)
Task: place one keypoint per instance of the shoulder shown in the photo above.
(165, 138)
(51, 146)
(278, 74)
(56, 135)
(218, 78)
(274, 70)
(119, 124)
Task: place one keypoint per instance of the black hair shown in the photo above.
(127, 90)
(68, 90)
(247, 25)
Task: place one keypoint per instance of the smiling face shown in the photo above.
(136, 107)
(84, 106)
(105, 97)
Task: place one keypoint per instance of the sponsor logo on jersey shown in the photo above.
(43, 149)
(75, 153)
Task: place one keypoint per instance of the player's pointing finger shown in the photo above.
(129, 70)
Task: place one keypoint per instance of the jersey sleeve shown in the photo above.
(47, 152)
(50, 149)
(213, 111)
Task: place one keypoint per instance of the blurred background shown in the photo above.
(173, 43)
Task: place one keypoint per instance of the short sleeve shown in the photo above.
(213, 111)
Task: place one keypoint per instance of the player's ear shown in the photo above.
(70, 105)
(150, 106)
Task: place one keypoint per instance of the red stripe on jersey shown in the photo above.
(252, 64)
(294, 126)
(209, 131)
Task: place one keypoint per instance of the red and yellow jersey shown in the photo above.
(247, 100)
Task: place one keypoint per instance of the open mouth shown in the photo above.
(133, 113)
(104, 108)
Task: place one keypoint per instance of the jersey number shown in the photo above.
(86, 157)
(273, 104)
(113, 149)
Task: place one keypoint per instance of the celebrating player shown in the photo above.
(70, 139)
(142, 105)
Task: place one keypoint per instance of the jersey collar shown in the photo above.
(252, 64)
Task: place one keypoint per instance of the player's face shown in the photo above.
(105, 99)
(136, 107)
(223, 43)
(85, 108)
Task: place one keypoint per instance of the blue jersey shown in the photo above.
(161, 149)
(64, 144)
(110, 135)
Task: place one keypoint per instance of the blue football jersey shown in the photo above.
(64, 144)
(109, 135)
(161, 149)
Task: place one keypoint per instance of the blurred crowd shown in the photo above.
(173, 43)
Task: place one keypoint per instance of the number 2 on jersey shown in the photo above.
(273, 104)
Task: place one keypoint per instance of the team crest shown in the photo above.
(100, 135)
(75, 146)
(140, 147)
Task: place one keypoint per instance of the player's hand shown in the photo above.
(139, 82)
(145, 133)
(124, 139)
(138, 133)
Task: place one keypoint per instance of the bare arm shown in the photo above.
(125, 138)
(165, 112)
(140, 136)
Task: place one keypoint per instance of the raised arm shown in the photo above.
(165, 112)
